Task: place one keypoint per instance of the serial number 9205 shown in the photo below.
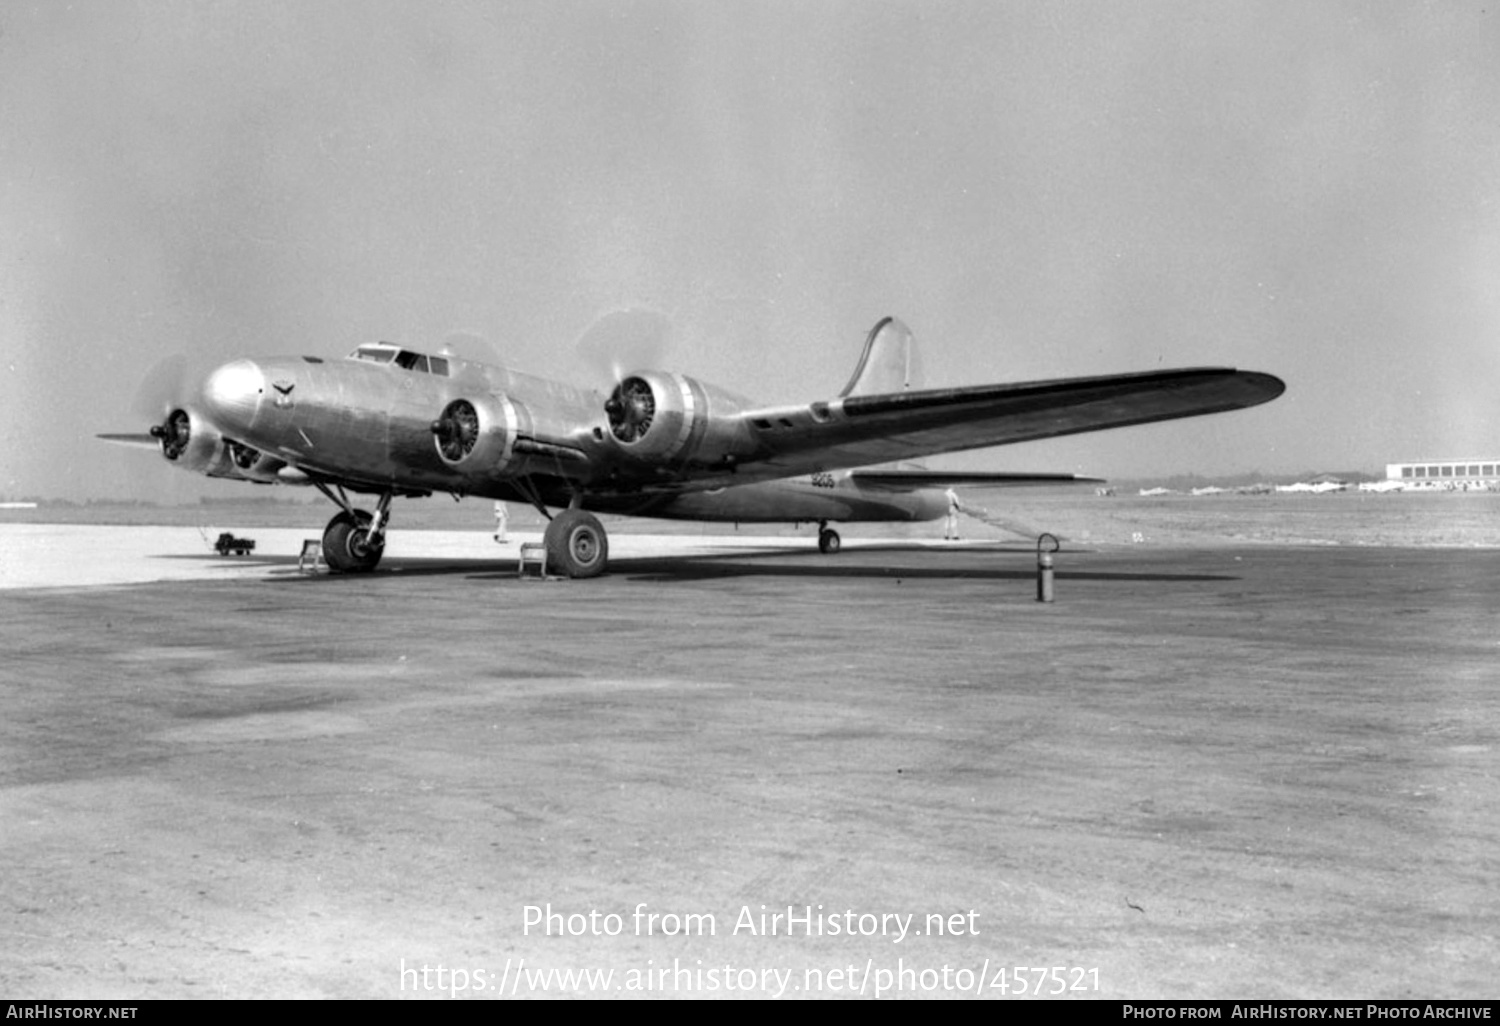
(821, 480)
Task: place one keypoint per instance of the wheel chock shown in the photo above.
(533, 552)
(312, 556)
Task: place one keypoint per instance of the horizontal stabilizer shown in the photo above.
(134, 441)
(904, 479)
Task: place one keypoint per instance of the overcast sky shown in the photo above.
(1039, 189)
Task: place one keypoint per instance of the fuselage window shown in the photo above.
(375, 354)
(439, 365)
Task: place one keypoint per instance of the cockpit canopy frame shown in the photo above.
(406, 359)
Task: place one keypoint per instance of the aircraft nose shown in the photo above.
(233, 393)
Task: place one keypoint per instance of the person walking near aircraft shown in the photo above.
(502, 518)
(950, 525)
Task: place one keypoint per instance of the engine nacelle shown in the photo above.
(192, 443)
(651, 415)
(477, 436)
(254, 465)
(665, 417)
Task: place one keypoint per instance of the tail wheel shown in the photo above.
(576, 544)
(829, 541)
(347, 546)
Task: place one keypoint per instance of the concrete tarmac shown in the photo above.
(1243, 772)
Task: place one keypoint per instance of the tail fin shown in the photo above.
(889, 363)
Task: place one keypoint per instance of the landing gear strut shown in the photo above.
(828, 538)
(354, 540)
(349, 544)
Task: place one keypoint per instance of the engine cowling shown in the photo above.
(665, 417)
(192, 443)
(652, 415)
(477, 435)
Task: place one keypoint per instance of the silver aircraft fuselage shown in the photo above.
(370, 424)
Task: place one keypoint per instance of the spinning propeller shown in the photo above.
(471, 346)
(621, 341)
(631, 408)
(624, 340)
(160, 399)
(457, 430)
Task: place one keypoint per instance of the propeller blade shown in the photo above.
(468, 345)
(164, 387)
(622, 341)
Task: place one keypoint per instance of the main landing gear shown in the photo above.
(577, 545)
(828, 538)
(351, 545)
(354, 539)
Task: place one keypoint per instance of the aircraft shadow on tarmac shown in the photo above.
(917, 562)
(932, 566)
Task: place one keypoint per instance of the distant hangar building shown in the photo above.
(1450, 472)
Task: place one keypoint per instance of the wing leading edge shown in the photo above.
(905, 480)
(861, 430)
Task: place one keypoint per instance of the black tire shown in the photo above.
(577, 545)
(346, 545)
(829, 541)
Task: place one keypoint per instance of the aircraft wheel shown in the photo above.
(347, 547)
(829, 541)
(576, 544)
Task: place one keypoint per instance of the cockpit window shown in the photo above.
(384, 352)
(375, 354)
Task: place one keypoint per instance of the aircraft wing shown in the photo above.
(862, 430)
(902, 480)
